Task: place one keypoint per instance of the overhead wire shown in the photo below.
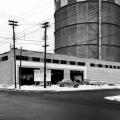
(69, 51)
(82, 43)
(80, 17)
(41, 23)
(36, 24)
(52, 23)
(34, 10)
(14, 15)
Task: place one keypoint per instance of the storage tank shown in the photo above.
(84, 28)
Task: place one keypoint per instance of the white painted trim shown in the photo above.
(51, 65)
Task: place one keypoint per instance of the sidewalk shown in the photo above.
(57, 88)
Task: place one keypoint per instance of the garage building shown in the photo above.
(59, 67)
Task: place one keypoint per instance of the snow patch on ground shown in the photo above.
(113, 98)
(57, 88)
(80, 87)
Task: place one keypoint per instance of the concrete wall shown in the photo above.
(6, 72)
(7, 68)
(66, 68)
(108, 75)
(104, 75)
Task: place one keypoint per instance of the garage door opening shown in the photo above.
(77, 76)
(56, 75)
(27, 76)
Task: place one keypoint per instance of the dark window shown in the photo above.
(110, 66)
(36, 59)
(81, 63)
(63, 62)
(48, 60)
(100, 65)
(92, 65)
(17, 57)
(4, 58)
(55, 61)
(115, 67)
(22, 57)
(72, 63)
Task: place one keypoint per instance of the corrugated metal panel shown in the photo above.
(104, 52)
(76, 30)
(93, 51)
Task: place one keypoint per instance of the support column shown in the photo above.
(99, 30)
(67, 74)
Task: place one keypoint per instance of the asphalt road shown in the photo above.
(82, 105)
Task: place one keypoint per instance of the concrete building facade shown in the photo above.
(59, 67)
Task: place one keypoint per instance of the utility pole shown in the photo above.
(20, 68)
(13, 24)
(99, 29)
(45, 26)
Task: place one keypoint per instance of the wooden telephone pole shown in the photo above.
(45, 26)
(13, 24)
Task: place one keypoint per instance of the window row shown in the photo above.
(35, 59)
(4, 58)
(104, 66)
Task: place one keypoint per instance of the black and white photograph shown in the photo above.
(59, 59)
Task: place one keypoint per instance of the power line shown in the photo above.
(85, 14)
(31, 32)
(33, 27)
(73, 15)
(70, 16)
(29, 28)
(34, 10)
(81, 43)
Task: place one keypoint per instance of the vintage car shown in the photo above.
(68, 83)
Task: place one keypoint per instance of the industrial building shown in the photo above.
(88, 29)
(87, 47)
(59, 67)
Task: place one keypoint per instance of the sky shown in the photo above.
(30, 15)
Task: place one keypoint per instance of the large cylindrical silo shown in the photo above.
(78, 31)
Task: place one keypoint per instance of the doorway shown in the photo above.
(56, 75)
(27, 76)
(77, 76)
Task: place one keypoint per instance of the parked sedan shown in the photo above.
(68, 83)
